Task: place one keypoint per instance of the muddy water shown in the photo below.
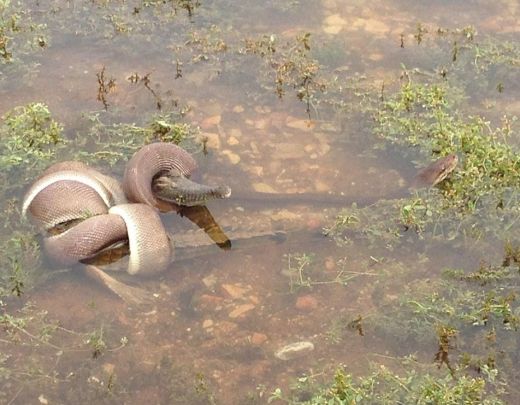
(217, 320)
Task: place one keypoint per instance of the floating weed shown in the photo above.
(303, 272)
(412, 214)
(291, 64)
(20, 262)
(342, 221)
(378, 224)
(297, 269)
(96, 342)
(105, 86)
(113, 143)
(446, 336)
(338, 328)
(16, 278)
(147, 83)
(36, 344)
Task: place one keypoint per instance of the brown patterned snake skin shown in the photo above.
(103, 212)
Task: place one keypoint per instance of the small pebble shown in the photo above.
(330, 264)
(241, 310)
(234, 291)
(233, 141)
(233, 157)
(302, 125)
(306, 303)
(263, 188)
(210, 122)
(208, 323)
(108, 368)
(258, 338)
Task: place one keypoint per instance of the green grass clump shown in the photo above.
(30, 138)
(384, 386)
(105, 143)
(19, 35)
(423, 115)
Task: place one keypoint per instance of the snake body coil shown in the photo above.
(104, 213)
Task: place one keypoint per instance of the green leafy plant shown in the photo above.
(30, 138)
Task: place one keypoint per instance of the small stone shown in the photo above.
(335, 19)
(210, 281)
(109, 368)
(238, 109)
(254, 299)
(241, 310)
(287, 150)
(309, 148)
(328, 126)
(233, 141)
(333, 24)
(235, 291)
(330, 264)
(236, 132)
(376, 27)
(330, 4)
(226, 327)
(313, 223)
(376, 57)
(263, 188)
(302, 125)
(321, 186)
(294, 350)
(258, 338)
(208, 323)
(211, 121)
(285, 215)
(210, 301)
(261, 124)
(233, 157)
(332, 29)
(324, 148)
(254, 148)
(43, 400)
(256, 170)
(306, 303)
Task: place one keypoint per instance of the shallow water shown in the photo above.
(217, 319)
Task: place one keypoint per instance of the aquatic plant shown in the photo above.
(30, 140)
(415, 384)
(19, 34)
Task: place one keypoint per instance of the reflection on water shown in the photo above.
(218, 318)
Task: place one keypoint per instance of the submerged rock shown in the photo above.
(294, 350)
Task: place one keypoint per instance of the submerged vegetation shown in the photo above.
(31, 140)
(416, 384)
(20, 37)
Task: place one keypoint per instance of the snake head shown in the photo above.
(182, 191)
